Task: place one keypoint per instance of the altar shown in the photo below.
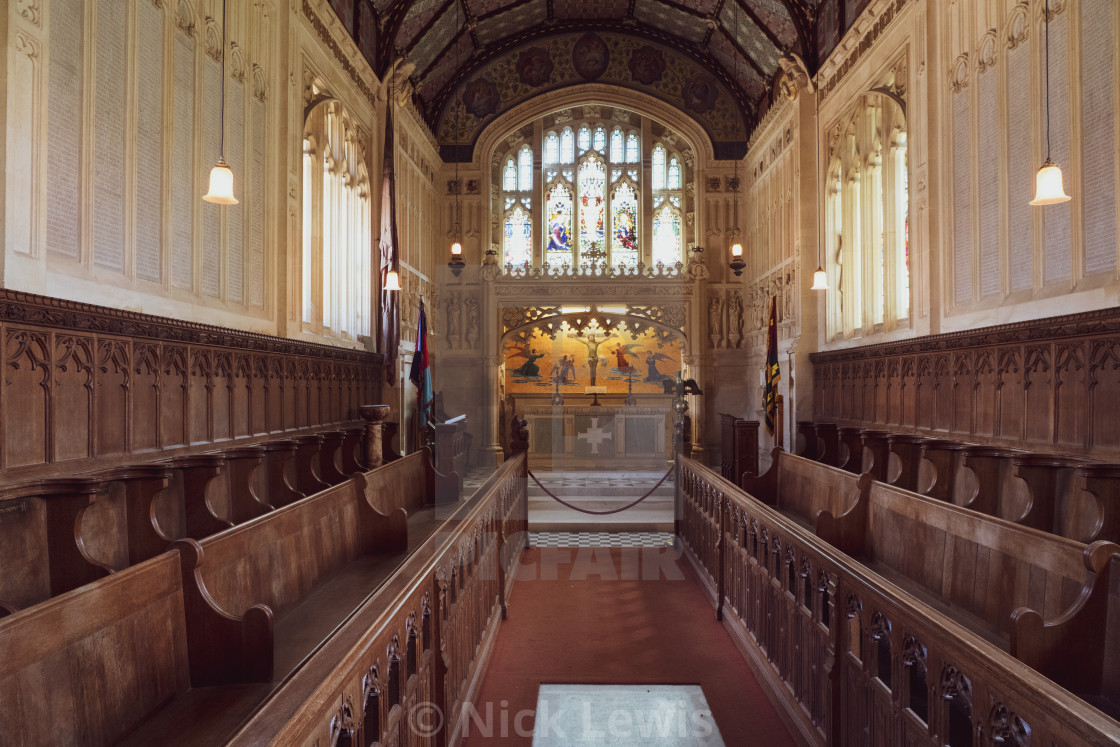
(608, 438)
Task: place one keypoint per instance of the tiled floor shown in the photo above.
(601, 539)
(597, 492)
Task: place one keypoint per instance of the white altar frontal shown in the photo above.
(594, 438)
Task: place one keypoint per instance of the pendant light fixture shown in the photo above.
(1048, 189)
(456, 263)
(737, 262)
(221, 178)
(392, 278)
(820, 277)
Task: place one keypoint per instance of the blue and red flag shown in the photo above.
(420, 373)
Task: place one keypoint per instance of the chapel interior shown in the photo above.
(341, 339)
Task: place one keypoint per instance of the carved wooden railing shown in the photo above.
(1045, 385)
(401, 669)
(86, 387)
(854, 659)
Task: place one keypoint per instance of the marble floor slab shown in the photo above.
(613, 715)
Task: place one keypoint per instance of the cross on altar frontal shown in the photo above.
(595, 435)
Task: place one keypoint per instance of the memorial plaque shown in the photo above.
(184, 194)
(1058, 262)
(989, 183)
(64, 112)
(108, 136)
(211, 213)
(149, 141)
(235, 155)
(1020, 171)
(962, 199)
(256, 198)
(1098, 133)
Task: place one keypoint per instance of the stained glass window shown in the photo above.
(551, 149)
(616, 145)
(594, 206)
(666, 237)
(657, 164)
(525, 169)
(558, 243)
(673, 181)
(600, 140)
(592, 186)
(624, 222)
(518, 237)
(567, 146)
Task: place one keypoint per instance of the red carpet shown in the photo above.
(610, 617)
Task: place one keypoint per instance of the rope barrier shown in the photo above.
(562, 502)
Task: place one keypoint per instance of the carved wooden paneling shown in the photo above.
(173, 396)
(1009, 391)
(1046, 384)
(144, 424)
(1104, 392)
(882, 668)
(114, 361)
(83, 382)
(71, 397)
(984, 402)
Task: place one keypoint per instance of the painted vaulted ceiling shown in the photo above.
(716, 60)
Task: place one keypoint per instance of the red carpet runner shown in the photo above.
(620, 616)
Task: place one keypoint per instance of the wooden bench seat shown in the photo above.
(979, 566)
(321, 554)
(181, 648)
(1044, 598)
(115, 655)
(800, 488)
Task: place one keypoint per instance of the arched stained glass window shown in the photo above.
(666, 236)
(657, 164)
(525, 169)
(558, 247)
(592, 186)
(518, 245)
(624, 227)
(592, 208)
(551, 149)
(631, 148)
(673, 179)
(616, 146)
(600, 140)
(567, 146)
(584, 139)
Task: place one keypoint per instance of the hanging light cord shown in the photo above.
(821, 183)
(222, 108)
(1046, 11)
(458, 187)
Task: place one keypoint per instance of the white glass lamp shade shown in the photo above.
(392, 281)
(1048, 188)
(820, 280)
(736, 250)
(221, 185)
(456, 250)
